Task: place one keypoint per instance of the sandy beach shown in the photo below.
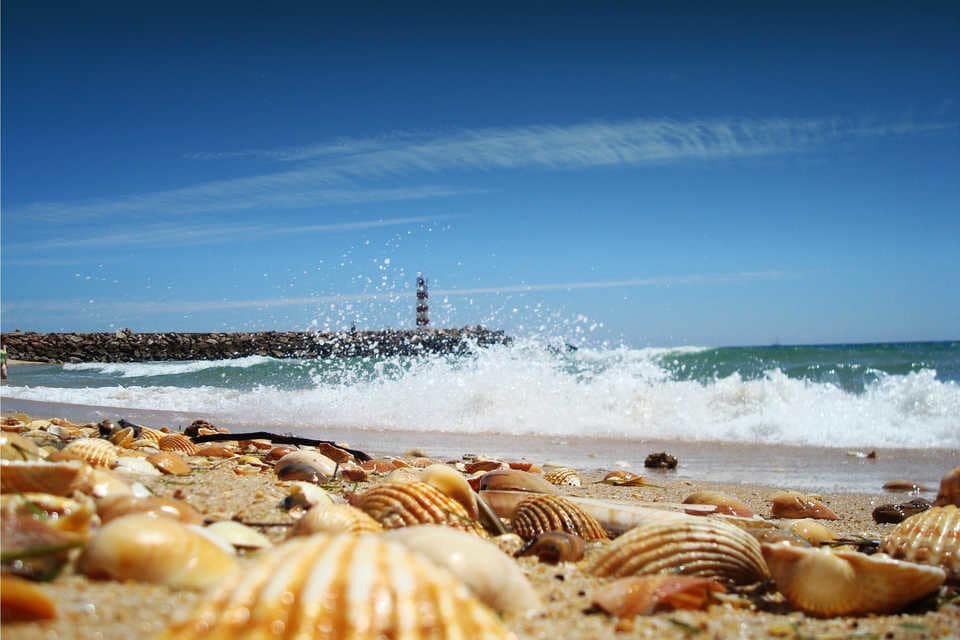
(104, 609)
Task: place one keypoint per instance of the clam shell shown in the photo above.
(691, 546)
(179, 443)
(113, 507)
(155, 550)
(238, 535)
(24, 601)
(949, 492)
(796, 505)
(306, 466)
(93, 451)
(541, 513)
(931, 537)
(563, 476)
(58, 478)
(645, 595)
(492, 576)
(403, 504)
(334, 518)
(725, 504)
(327, 587)
(826, 583)
(553, 547)
(170, 463)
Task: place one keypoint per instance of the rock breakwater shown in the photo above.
(127, 346)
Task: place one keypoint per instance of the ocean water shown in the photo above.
(903, 395)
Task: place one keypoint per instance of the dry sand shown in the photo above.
(105, 610)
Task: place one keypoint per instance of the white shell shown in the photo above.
(238, 535)
(139, 466)
(931, 537)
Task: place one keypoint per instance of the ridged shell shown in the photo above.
(563, 476)
(645, 595)
(949, 492)
(826, 583)
(151, 434)
(492, 576)
(797, 505)
(306, 466)
(725, 504)
(58, 478)
(96, 452)
(338, 587)
(179, 443)
(155, 550)
(539, 514)
(113, 507)
(691, 546)
(403, 504)
(450, 482)
(333, 519)
(931, 537)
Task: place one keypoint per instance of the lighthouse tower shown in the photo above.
(423, 302)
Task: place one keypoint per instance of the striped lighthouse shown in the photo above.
(423, 302)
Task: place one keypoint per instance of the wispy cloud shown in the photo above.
(267, 303)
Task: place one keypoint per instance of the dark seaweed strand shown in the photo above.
(278, 439)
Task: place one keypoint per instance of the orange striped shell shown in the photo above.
(179, 443)
(931, 537)
(96, 452)
(402, 504)
(332, 519)
(541, 513)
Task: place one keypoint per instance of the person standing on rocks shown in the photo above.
(3, 361)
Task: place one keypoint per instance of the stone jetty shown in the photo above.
(127, 346)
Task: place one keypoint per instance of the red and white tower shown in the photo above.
(423, 302)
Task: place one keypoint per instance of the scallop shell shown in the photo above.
(96, 452)
(113, 507)
(796, 505)
(179, 443)
(492, 576)
(24, 601)
(170, 463)
(553, 547)
(563, 476)
(541, 513)
(931, 537)
(691, 546)
(149, 433)
(644, 595)
(307, 466)
(155, 550)
(334, 518)
(327, 587)
(949, 492)
(58, 478)
(725, 504)
(402, 504)
(826, 583)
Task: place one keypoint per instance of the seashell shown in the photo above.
(93, 451)
(102, 483)
(402, 504)
(13, 446)
(513, 480)
(58, 478)
(692, 546)
(32, 547)
(357, 587)
(796, 505)
(813, 532)
(113, 507)
(482, 465)
(66, 432)
(139, 466)
(24, 601)
(725, 504)
(307, 466)
(931, 537)
(492, 576)
(179, 443)
(304, 495)
(509, 543)
(949, 492)
(645, 595)
(155, 550)
(621, 478)
(123, 438)
(279, 451)
(69, 515)
(617, 517)
(404, 474)
(449, 481)
(904, 486)
(553, 547)
(170, 463)
(827, 583)
(216, 451)
(144, 444)
(541, 513)
(378, 465)
(894, 513)
(563, 476)
(333, 519)
(352, 472)
(149, 433)
(238, 535)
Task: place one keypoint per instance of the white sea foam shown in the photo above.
(168, 368)
(527, 390)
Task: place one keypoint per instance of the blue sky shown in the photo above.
(655, 175)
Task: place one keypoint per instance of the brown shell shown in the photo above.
(178, 442)
(113, 507)
(931, 537)
(826, 583)
(332, 519)
(216, 451)
(725, 504)
(402, 504)
(563, 476)
(555, 546)
(690, 546)
(328, 587)
(513, 480)
(621, 478)
(645, 595)
(58, 478)
(96, 452)
(123, 437)
(24, 601)
(170, 463)
(949, 492)
(539, 514)
(796, 505)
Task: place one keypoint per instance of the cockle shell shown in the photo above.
(113, 507)
(725, 504)
(541, 513)
(332, 587)
(23, 601)
(796, 505)
(150, 433)
(306, 466)
(931, 537)
(58, 478)
(96, 452)
(949, 492)
(178, 442)
(563, 476)
(492, 576)
(554, 546)
(645, 595)
(334, 518)
(155, 550)
(691, 546)
(825, 582)
(403, 504)
(170, 463)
